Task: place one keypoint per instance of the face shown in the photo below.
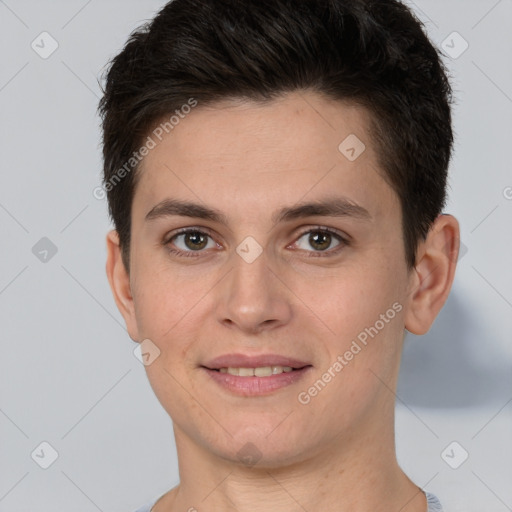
(255, 234)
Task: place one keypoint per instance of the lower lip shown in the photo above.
(256, 386)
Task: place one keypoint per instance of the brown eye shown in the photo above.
(190, 241)
(319, 240)
(195, 240)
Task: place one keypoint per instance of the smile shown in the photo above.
(262, 371)
(260, 381)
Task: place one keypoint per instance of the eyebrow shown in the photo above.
(330, 207)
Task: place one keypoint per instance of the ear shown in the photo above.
(432, 277)
(119, 280)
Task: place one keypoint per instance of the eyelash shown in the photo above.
(315, 254)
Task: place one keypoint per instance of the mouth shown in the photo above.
(261, 371)
(255, 376)
(258, 362)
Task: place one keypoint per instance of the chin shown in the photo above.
(262, 451)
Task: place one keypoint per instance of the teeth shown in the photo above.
(264, 371)
(245, 372)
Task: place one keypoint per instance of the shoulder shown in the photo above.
(434, 505)
(150, 504)
(147, 507)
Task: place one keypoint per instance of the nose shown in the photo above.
(252, 298)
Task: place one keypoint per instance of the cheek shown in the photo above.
(350, 380)
(174, 397)
(348, 300)
(361, 315)
(169, 307)
(163, 298)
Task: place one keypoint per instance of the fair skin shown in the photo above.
(248, 161)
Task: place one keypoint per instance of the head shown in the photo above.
(314, 136)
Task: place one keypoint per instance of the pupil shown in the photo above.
(198, 241)
(320, 240)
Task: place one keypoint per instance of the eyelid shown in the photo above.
(342, 236)
(190, 229)
(344, 239)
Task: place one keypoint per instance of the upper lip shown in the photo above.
(246, 361)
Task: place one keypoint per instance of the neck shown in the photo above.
(356, 473)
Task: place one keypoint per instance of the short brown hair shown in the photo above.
(372, 52)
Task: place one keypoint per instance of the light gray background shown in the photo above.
(68, 375)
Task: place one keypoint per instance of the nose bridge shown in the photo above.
(249, 284)
(250, 277)
(252, 297)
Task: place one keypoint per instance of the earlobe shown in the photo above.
(119, 281)
(432, 277)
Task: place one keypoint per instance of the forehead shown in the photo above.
(242, 154)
